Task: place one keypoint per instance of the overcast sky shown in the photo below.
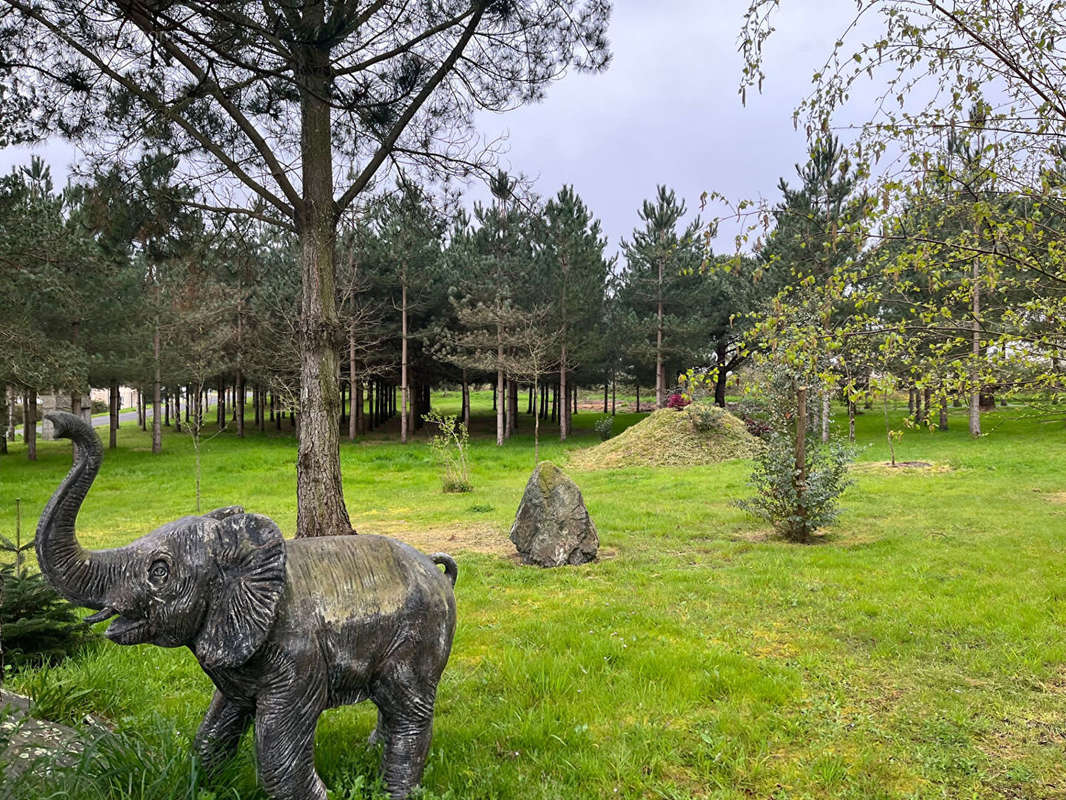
(666, 111)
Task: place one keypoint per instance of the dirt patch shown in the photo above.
(619, 407)
(1058, 498)
(1057, 684)
(1012, 743)
(886, 467)
(698, 434)
(759, 535)
(458, 538)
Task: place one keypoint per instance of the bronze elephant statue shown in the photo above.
(284, 629)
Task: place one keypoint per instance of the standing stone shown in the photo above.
(552, 526)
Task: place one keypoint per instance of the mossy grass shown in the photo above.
(917, 652)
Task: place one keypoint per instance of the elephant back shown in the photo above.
(341, 579)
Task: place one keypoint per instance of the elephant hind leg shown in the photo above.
(221, 731)
(407, 714)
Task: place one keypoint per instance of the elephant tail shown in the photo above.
(450, 568)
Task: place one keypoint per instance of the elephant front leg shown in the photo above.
(284, 741)
(221, 731)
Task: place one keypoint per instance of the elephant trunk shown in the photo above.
(78, 574)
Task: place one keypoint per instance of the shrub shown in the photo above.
(38, 625)
(706, 417)
(450, 444)
(677, 401)
(798, 508)
(796, 486)
(603, 427)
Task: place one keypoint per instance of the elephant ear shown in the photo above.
(249, 554)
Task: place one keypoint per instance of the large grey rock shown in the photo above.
(552, 526)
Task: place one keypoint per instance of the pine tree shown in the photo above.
(573, 284)
(662, 266)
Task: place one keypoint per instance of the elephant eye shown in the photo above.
(159, 571)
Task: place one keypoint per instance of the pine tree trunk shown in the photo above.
(466, 402)
(113, 404)
(943, 412)
(220, 405)
(240, 388)
(416, 411)
(345, 416)
(564, 418)
(851, 420)
(196, 426)
(536, 424)
(320, 508)
(354, 388)
(499, 390)
(12, 400)
(513, 399)
(414, 406)
(3, 443)
(157, 418)
(404, 387)
(29, 423)
(638, 398)
(606, 387)
(660, 377)
(362, 420)
(177, 409)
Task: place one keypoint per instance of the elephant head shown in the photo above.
(210, 582)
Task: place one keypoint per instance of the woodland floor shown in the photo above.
(918, 652)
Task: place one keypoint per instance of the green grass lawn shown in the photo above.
(919, 652)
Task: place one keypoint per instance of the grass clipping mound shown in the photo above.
(700, 433)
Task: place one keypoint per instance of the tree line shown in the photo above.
(121, 281)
